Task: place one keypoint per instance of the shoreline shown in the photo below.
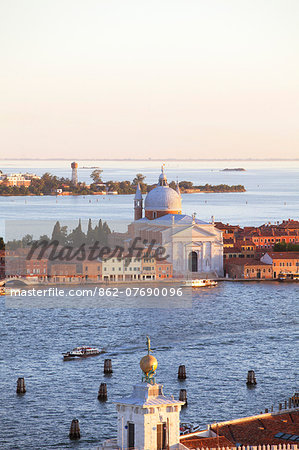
(174, 281)
(195, 191)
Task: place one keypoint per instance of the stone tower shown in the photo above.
(148, 420)
(74, 167)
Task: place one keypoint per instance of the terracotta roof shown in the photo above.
(289, 224)
(284, 255)
(206, 442)
(232, 249)
(226, 226)
(247, 262)
(272, 232)
(261, 429)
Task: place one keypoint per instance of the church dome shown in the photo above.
(163, 197)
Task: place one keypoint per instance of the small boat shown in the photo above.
(5, 291)
(83, 352)
(284, 276)
(199, 283)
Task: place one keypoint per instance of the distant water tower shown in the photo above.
(74, 167)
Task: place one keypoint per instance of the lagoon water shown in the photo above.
(272, 193)
(219, 335)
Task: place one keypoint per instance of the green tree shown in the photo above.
(96, 176)
(27, 240)
(77, 237)
(2, 245)
(139, 179)
(90, 233)
(186, 184)
(59, 234)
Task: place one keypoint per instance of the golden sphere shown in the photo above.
(147, 363)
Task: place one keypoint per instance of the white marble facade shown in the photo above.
(195, 247)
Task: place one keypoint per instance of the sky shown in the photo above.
(149, 79)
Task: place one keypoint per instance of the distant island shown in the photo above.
(237, 169)
(30, 184)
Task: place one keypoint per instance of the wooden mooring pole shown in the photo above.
(75, 430)
(251, 380)
(183, 396)
(102, 394)
(108, 366)
(21, 389)
(182, 372)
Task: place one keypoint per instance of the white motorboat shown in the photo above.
(196, 283)
(82, 352)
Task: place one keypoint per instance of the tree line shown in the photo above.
(49, 184)
(61, 234)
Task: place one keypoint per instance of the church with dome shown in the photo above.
(193, 246)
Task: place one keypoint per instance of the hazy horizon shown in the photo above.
(103, 79)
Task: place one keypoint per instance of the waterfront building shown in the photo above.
(282, 262)
(163, 270)
(16, 265)
(148, 267)
(63, 273)
(91, 270)
(193, 246)
(247, 269)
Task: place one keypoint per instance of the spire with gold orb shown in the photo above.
(148, 365)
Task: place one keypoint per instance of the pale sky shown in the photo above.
(156, 78)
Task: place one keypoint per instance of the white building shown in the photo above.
(121, 269)
(148, 420)
(194, 247)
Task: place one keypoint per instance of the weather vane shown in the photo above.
(148, 364)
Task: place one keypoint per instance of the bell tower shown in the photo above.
(148, 419)
(138, 203)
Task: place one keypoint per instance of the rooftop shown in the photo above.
(264, 429)
(179, 219)
(284, 255)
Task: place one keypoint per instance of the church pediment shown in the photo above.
(196, 232)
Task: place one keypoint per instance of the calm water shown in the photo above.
(228, 330)
(219, 336)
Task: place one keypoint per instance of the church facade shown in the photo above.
(194, 247)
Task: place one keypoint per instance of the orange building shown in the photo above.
(18, 266)
(91, 270)
(267, 237)
(163, 270)
(248, 269)
(63, 273)
(282, 262)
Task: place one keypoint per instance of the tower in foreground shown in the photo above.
(147, 419)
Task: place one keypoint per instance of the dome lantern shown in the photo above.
(162, 177)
